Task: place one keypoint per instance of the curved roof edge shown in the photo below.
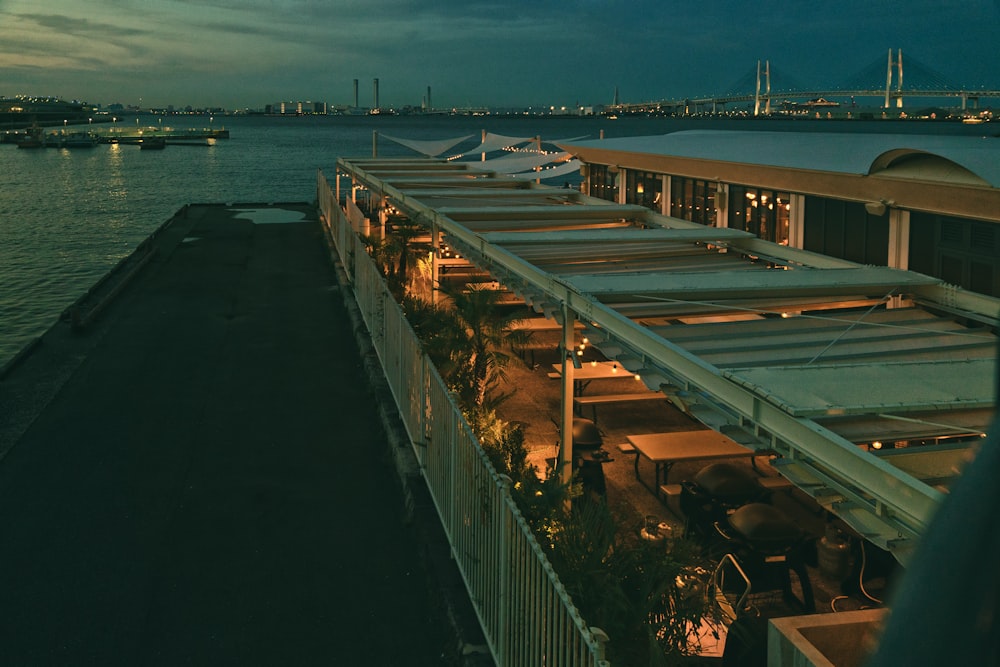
(977, 158)
(919, 165)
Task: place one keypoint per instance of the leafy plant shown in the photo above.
(489, 333)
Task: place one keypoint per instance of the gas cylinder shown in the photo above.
(833, 553)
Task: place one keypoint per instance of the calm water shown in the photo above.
(67, 216)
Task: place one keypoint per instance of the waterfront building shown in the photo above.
(828, 301)
(929, 204)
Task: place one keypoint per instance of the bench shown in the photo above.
(670, 490)
(604, 399)
(775, 483)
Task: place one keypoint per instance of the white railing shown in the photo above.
(525, 613)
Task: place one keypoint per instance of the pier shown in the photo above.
(93, 135)
(136, 135)
(192, 467)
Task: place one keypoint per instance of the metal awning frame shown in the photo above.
(884, 504)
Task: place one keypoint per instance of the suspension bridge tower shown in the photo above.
(898, 64)
(767, 90)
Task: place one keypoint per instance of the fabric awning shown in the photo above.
(495, 142)
(431, 148)
(518, 162)
(550, 172)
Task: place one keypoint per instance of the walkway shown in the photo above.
(200, 477)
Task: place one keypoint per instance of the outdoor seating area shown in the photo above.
(760, 458)
(656, 475)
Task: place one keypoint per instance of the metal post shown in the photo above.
(374, 143)
(566, 423)
(538, 149)
(435, 251)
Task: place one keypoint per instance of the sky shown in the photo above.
(500, 53)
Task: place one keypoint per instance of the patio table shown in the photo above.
(666, 449)
(590, 371)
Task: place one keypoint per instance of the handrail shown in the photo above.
(526, 614)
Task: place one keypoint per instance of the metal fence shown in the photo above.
(526, 614)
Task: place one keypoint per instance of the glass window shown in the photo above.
(764, 213)
(846, 230)
(957, 250)
(693, 199)
(645, 189)
(603, 182)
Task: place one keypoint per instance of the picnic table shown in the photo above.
(590, 371)
(666, 449)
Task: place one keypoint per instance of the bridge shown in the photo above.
(755, 87)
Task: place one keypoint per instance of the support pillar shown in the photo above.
(435, 251)
(566, 420)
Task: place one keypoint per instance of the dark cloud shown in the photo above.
(67, 25)
(512, 52)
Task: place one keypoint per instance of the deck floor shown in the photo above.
(200, 476)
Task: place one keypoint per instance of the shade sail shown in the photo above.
(495, 142)
(432, 148)
(557, 171)
(517, 162)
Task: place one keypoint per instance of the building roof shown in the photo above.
(968, 160)
(780, 349)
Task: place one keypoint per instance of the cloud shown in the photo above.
(502, 52)
(81, 27)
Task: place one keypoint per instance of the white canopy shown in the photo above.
(431, 148)
(517, 162)
(550, 172)
(495, 142)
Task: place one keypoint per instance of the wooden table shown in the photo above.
(666, 449)
(590, 371)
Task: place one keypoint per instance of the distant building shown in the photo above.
(298, 108)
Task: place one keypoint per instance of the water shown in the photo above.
(68, 216)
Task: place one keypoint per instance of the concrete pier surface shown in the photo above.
(195, 473)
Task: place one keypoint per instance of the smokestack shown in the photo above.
(429, 105)
(355, 93)
(375, 94)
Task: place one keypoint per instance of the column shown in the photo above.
(566, 420)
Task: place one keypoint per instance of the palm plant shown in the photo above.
(488, 334)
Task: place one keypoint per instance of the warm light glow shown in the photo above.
(637, 378)
(877, 445)
(614, 368)
(594, 363)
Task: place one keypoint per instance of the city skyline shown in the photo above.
(248, 53)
